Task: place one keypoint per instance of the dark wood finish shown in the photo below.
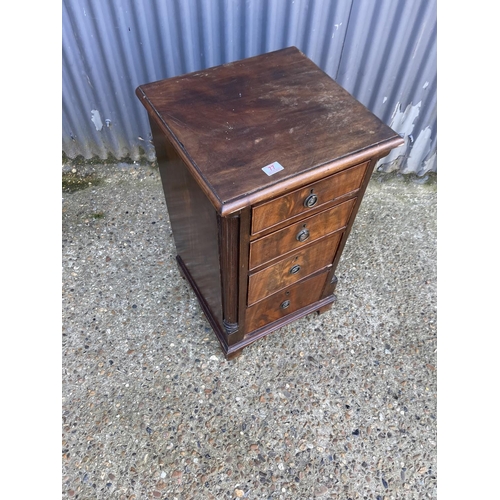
(287, 271)
(287, 240)
(252, 337)
(298, 218)
(234, 119)
(193, 220)
(296, 296)
(229, 254)
(293, 204)
(243, 273)
(238, 231)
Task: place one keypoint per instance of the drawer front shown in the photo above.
(299, 234)
(285, 302)
(307, 198)
(292, 269)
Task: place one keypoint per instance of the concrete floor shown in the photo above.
(337, 406)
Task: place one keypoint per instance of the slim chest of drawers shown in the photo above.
(264, 163)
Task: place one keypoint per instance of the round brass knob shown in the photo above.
(295, 269)
(302, 235)
(310, 201)
(285, 304)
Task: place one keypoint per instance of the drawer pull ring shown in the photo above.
(285, 304)
(310, 201)
(295, 269)
(303, 235)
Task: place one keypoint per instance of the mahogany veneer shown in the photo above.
(259, 246)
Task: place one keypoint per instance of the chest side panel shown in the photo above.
(194, 223)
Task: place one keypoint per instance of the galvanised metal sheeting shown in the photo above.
(382, 51)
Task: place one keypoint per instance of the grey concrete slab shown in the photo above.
(339, 406)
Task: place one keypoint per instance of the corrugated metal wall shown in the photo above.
(382, 51)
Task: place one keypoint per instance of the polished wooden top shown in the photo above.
(230, 121)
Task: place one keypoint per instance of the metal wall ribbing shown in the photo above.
(382, 51)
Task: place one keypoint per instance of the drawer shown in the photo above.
(307, 198)
(288, 271)
(285, 302)
(299, 234)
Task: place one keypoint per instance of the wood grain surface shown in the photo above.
(230, 121)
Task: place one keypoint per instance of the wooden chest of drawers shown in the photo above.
(264, 163)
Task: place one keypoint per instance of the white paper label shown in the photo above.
(272, 168)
